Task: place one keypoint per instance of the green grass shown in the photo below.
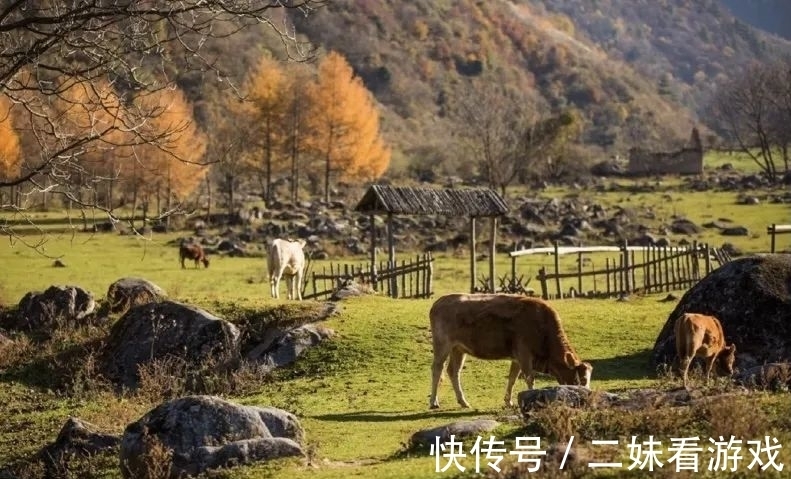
(363, 394)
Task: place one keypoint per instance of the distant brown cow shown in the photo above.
(501, 326)
(194, 252)
(702, 336)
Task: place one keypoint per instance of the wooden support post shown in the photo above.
(430, 276)
(579, 274)
(373, 252)
(492, 253)
(542, 278)
(607, 274)
(557, 272)
(391, 256)
(772, 230)
(473, 272)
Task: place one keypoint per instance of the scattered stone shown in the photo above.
(735, 231)
(459, 429)
(685, 227)
(58, 264)
(77, 438)
(167, 330)
(126, 293)
(288, 346)
(206, 432)
(574, 396)
(668, 298)
(349, 288)
(772, 376)
(55, 307)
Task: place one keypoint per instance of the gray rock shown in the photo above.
(735, 231)
(348, 289)
(772, 376)
(685, 227)
(751, 297)
(574, 396)
(57, 306)
(76, 438)
(167, 330)
(128, 292)
(458, 429)
(284, 347)
(206, 432)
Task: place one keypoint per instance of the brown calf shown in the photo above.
(194, 252)
(698, 335)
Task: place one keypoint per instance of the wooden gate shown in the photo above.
(409, 279)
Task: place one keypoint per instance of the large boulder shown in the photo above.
(206, 432)
(126, 293)
(458, 429)
(169, 330)
(55, 307)
(751, 297)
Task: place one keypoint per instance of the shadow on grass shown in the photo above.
(626, 367)
(385, 416)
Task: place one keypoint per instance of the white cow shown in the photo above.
(286, 258)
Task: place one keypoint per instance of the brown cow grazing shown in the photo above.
(698, 335)
(501, 326)
(194, 252)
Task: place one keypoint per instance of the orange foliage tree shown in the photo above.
(9, 142)
(171, 164)
(343, 123)
(268, 107)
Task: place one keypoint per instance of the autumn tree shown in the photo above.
(268, 99)
(132, 45)
(296, 123)
(172, 167)
(9, 149)
(343, 124)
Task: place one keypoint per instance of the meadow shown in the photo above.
(363, 394)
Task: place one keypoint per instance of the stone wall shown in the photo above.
(687, 161)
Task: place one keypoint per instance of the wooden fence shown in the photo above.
(649, 269)
(774, 230)
(410, 279)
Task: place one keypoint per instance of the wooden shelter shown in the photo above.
(404, 200)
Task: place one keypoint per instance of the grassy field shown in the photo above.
(362, 395)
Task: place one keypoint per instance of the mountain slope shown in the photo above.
(639, 70)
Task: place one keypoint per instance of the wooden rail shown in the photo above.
(774, 230)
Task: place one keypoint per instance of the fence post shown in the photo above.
(557, 271)
(627, 275)
(772, 230)
(430, 275)
(579, 273)
(542, 278)
(513, 271)
(708, 258)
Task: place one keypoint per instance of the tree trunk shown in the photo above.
(229, 179)
(208, 201)
(268, 150)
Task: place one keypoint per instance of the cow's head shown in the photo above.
(205, 262)
(725, 359)
(574, 372)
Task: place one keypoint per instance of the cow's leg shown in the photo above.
(182, 263)
(455, 364)
(513, 374)
(709, 366)
(276, 284)
(525, 359)
(440, 355)
(684, 365)
(298, 285)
